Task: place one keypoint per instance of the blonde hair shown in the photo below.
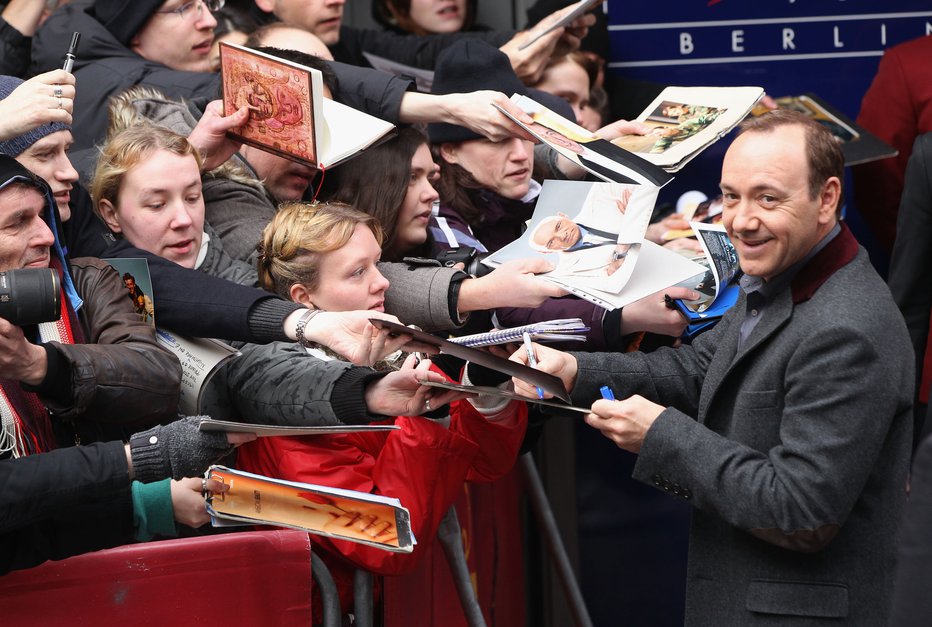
(294, 240)
(125, 150)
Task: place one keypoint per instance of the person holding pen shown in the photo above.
(787, 426)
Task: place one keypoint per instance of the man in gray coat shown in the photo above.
(787, 426)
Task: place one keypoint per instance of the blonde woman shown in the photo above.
(325, 256)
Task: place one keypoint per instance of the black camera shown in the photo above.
(30, 296)
(468, 256)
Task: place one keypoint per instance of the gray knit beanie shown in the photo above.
(15, 146)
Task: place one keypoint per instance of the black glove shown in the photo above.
(178, 450)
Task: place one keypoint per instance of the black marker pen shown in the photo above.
(69, 56)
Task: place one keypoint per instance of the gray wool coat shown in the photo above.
(797, 457)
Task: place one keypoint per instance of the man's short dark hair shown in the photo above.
(128, 277)
(823, 151)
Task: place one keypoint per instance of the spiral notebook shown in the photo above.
(566, 329)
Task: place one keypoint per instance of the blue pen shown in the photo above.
(532, 360)
(607, 393)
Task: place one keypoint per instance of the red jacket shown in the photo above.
(423, 464)
(897, 108)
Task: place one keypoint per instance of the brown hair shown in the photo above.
(377, 181)
(293, 241)
(823, 152)
(397, 14)
(459, 189)
(126, 149)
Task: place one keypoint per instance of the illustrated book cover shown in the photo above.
(289, 114)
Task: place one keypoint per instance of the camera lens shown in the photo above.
(30, 295)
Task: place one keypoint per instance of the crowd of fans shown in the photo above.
(787, 428)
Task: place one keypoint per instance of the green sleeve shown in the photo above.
(153, 514)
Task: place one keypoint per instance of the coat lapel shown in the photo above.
(836, 254)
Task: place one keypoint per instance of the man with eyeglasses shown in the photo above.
(162, 44)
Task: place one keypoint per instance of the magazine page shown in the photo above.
(134, 273)
(593, 233)
(200, 359)
(589, 151)
(686, 120)
(313, 508)
(717, 284)
(284, 100)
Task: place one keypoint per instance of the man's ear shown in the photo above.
(108, 213)
(829, 197)
(448, 152)
(562, 215)
(300, 294)
(265, 5)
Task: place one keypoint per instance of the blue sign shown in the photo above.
(788, 47)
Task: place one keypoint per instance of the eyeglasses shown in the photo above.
(185, 10)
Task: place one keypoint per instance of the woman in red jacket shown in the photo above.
(324, 256)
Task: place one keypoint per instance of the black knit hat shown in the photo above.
(124, 18)
(470, 65)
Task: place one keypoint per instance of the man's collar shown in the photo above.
(836, 254)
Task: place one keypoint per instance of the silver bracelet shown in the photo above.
(302, 323)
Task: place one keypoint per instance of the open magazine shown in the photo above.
(593, 233)
(717, 285)
(686, 120)
(290, 116)
(857, 143)
(256, 500)
(592, 153)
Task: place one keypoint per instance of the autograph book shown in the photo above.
(289, 115)
(563, 330)
(257, 500)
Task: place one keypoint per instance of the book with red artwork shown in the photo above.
(290, 115)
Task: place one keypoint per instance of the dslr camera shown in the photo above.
(468, 256)
(30, 296)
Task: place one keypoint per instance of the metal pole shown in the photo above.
(548, 524)
(451, 539)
